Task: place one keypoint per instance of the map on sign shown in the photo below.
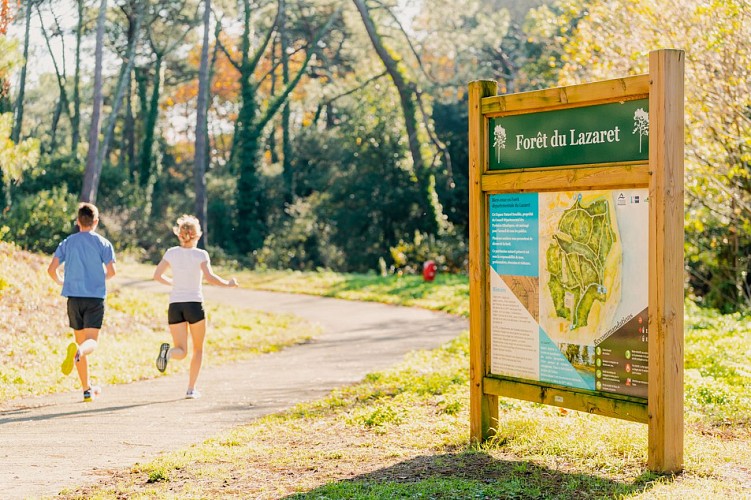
(568, 288)
(581, 272)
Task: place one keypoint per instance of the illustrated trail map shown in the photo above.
(568, 288)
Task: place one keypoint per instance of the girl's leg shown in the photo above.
(197, 334)
(179, 347)
(87, 340)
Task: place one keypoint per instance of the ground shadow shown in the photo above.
(476, 475)
(26, 415)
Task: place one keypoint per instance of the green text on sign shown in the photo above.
(605, 133)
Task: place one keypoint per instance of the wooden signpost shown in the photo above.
(576, 251)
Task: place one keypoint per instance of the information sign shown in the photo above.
(568, 288)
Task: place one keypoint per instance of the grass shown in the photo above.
(135, 324)
(448, 293)
(403, 433)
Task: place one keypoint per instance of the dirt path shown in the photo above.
(53, 442)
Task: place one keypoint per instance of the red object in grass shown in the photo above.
(429, 270)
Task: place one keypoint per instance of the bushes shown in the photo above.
(38, 222)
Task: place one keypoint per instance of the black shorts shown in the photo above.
(85, 312)
(180, 312)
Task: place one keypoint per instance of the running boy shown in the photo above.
(189, 265)
(89, 261)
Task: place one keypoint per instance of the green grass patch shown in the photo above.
(448, 292)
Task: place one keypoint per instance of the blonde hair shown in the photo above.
(188, 228)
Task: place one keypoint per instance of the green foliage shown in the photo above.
(54, 171)
(612, 39)
(302, 242)
(452, 179)
(15, 159)
(448, 250)
(40, 221)
(717, 375)
(361, 197)
(10, 56)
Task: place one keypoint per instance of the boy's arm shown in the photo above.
(159, 273)
(52, 270)
(111, 271)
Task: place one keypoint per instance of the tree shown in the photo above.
(409, 104)
(75, 120)
(201, 149)
(62, 106)
(14, 158)
(716, 35)
(18, 122)
(252, 119)
(163, 39)
(134, 13)
(8, 57)
(92, 173)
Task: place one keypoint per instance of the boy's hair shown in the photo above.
(87, 214)
(187, 228)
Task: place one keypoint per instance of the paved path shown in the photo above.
(43, 451)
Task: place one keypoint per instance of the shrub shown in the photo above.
(38, 222)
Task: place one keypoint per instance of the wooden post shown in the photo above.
(483, 408)
(665, 401)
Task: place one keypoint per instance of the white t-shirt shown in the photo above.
(186, 273)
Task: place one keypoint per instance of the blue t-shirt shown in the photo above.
(85, 254)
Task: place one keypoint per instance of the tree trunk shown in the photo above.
(201, 147)
(271, 139)
(75, 120)
(409, 110)
(91, 174)
(53, 127)
(251, 207)
(250, 200)
(287, 173)
(142, 83)
(18, 123)
(60, 75)
(127, 158)
(123, 79)
(145, 163)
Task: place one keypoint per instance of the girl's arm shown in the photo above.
(212, 278)
(159, 273)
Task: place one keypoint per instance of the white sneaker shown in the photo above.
(192, 394)
(91, 394)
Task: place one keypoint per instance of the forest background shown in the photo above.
(333, 134)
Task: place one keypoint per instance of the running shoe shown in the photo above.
(192, 394)
(161, 360)
(91, 393)
(71, 357)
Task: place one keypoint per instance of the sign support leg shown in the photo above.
(665, 401)
(483, 408)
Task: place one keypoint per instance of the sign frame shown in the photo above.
(662, 174)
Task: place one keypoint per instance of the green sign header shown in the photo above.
(605, 133)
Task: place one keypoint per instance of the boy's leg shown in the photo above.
(87, 340)
(197, 335)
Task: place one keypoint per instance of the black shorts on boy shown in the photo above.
(85, 312)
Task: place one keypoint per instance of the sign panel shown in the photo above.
(605, 133)
(569, 288)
